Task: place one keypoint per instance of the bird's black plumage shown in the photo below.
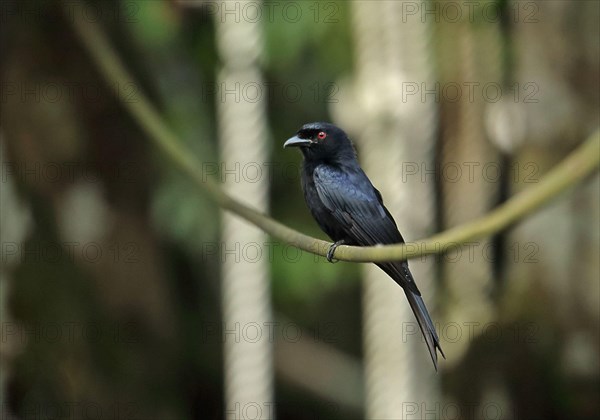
(350, 209)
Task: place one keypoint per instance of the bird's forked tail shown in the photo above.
(427, 328)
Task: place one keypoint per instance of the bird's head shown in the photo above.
(322, 141)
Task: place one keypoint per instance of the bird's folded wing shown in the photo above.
(358, 207)
(353, 201)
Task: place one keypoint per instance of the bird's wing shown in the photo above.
(357, 206)
(354, 202)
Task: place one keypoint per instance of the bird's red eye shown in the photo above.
(321, 135)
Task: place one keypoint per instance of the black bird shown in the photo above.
(350, 209)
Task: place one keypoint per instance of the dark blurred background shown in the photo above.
(126, 293)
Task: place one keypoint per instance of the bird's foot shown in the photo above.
(331, 251)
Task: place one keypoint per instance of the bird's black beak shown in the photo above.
(296, 142)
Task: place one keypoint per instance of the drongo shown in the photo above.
(350, 209)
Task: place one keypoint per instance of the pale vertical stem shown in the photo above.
(246, 303)
(417, 126)
(392, 53)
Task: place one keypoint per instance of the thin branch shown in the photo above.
(572, 170)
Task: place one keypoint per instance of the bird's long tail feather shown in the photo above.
(427, 328)
(402, 275)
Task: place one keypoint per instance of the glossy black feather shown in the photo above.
(348, 207)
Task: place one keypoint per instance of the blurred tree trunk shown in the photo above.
(393, 133)
(246, 295)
